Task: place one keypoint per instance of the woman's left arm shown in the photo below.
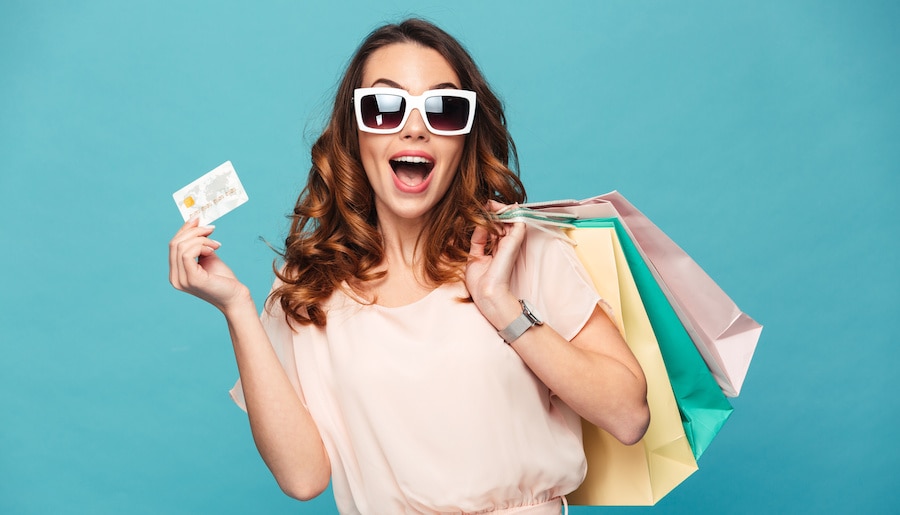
(595, 374)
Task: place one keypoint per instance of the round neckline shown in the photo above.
(425, 298)
(422, 300)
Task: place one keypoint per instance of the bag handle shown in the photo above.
(546, 221)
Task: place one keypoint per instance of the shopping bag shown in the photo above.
(724, 335)
(703, 407)
(640, 474)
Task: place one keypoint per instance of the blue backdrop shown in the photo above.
(762, 136)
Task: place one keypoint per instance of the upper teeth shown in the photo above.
(412, 159)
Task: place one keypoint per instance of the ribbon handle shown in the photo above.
(546, 221)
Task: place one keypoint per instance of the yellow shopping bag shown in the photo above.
(643, 473)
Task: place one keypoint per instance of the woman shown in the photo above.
(379, 362)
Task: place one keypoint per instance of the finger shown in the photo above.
(508, 247)
(186, 242)
(213, 264)
(190, 224)
(188, 270)
(182, 251)
(206, 250)
(497, 207)
(515, 235)
(174, 259)
(478, 242)
(202, 230)
(206, 247)
(189, 230)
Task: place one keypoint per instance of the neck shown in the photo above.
(402, 245)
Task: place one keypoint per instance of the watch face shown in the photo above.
(532, 313)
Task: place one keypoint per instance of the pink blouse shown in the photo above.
(424, 409)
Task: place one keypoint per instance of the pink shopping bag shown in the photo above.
(724, 335)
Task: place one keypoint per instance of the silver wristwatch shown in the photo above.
(524, 322)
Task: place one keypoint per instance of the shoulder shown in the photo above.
(550, 253)
(549, 274)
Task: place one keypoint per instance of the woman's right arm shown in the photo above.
(285, 434)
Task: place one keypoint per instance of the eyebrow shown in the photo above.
(392, 84)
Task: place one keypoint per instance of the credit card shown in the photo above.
(211, 196)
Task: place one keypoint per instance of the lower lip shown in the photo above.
(406, 188)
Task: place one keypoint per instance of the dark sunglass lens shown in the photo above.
(382, 111)
(447, 113)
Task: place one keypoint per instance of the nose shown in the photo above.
(415, 127)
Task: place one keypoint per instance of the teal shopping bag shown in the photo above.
(703, 407)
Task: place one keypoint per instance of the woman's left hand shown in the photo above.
(488, 275)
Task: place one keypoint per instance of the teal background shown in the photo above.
(762, 136)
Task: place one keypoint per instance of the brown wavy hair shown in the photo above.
(334, 236)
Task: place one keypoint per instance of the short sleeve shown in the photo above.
(549, 275)
(281, 336)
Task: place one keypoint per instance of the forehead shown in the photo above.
(414, 67)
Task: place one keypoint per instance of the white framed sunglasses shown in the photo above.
(447, 112)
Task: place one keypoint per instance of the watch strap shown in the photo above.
(525, 321)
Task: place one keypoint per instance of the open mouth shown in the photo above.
(411, 170)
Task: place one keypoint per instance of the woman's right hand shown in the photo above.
(195, 268)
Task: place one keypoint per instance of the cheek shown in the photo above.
(453, 159)
(454, 154)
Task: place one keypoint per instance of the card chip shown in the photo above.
(188, 201)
